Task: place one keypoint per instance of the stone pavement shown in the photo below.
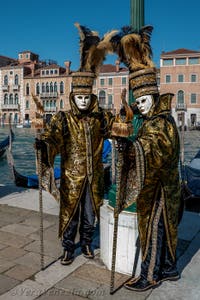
(21, 276)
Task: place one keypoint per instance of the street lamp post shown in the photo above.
(137, 14)
(136, 22)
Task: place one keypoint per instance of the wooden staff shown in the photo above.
(121, 128)
(39, 156)
(38, 124)
(116, 218)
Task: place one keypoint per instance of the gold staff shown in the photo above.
(120, 129)
(38, 124)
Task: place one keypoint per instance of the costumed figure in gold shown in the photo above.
(152, 159)
(78, 136)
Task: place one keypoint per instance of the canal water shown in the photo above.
(24, 153)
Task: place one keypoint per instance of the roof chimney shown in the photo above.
(67, 66)
(117, 63)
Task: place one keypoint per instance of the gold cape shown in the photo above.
(78, 138)
(153, 159)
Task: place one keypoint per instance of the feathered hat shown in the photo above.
(134, 50)
(93, 50)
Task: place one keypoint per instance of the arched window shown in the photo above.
(55, 87)
(51, 87)
(5, 80)
(27, 89)
(51, 103)
(37, 88)
(16, 118)
(110, 99)
(16, 98)
(54, 103)
(43, 87)
(61, 104)
(47, 87)
(6, 99)
(16, 79)
(102, 97)
(27, 104)
(10, 117)
(180, 97)
(61, 87)
(11, 99)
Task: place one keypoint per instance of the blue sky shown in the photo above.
(47, 27)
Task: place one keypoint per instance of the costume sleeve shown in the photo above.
(106, 124)
(157, 141)
(53, 137)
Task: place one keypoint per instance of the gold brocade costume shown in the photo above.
(160, 194)
(79, 140)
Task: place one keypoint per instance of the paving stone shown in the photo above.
(56, 272)
(33, 259)
(28, 290)
(3, 246)
(7, 283)
(4, 222)
(58, 295)
(99, 275)
(176, 290)
(19, 229)
(4, 208)
(51, 233)
(181, 247)
(103, 293)
(189, 226)
(34, 220)
(51, 248)
(21, 272)
(5, 265)
(11, 253)
(15, 240)
(78, 286)
(13, 214)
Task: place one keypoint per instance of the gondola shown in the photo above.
(6, 142)
(27, 181)
(31, 181)
(191, 183)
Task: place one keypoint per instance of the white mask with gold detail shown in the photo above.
(144, 103)
(82, 101)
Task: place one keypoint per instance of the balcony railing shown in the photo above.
(10, 106)
(5, 88)
(49, 95)
(107, 106)
(15, 87)
(50, 109)
(181, 107)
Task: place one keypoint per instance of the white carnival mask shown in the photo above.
(144, 104)
(82, 101)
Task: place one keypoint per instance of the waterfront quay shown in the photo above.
(21, 276)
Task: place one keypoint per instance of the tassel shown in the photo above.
(123, 127)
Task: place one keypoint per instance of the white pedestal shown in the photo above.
(128, 258)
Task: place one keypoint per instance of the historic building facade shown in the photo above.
(180, 75)
(51, 84)
(27, 76)
(108, 86)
